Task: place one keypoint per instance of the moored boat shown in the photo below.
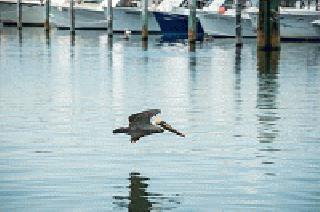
(127, 17)
(176, 25)
(295, 23)
(87, 16)
(33, 13)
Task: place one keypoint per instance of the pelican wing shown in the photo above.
(135, 136)
(142, 118)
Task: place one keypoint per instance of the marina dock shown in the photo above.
(230, 94)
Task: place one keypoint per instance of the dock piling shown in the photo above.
(110, 19)
(19, 14)
(238, 23)
(144, 19)
(192, 30)
(268, 31)
(46, 22)
(72, 16)
(317, 5)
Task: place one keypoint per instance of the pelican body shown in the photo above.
(140, 125)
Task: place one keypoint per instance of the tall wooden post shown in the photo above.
(317, 5)
(110, 19)
(238, 23)
(46, 22)
(144, 19)
(268, 32)
(72, 17)
(192, 22)
(19, 14)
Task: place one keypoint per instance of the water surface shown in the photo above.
(251, 119)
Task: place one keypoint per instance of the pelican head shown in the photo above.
(157, 120)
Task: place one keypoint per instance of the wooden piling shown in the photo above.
(46, 22)
(110, 19)
(317, 5)
(72, 17)
(144, 19)
(192, 22)
(19, 14)
(238, 23)
(268, 31)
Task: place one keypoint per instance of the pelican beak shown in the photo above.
(157, 120)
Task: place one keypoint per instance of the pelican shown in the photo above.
(140, 125)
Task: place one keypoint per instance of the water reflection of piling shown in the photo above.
(192, 23)
(72, 39)
(238, 23)
(237, 64)
(20, 37)
(144, 20)
(19, 14)
(267, 62)
(110, 19)
(267, 95)
(144, 45)
(47, 34)
(46, 22)
(268, 31)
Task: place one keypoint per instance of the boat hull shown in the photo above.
(85, 18)
(295, 25)
(33, 14)
(176, 25)
(129, 18)
(219, 25)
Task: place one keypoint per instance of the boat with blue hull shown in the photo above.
(176, 25)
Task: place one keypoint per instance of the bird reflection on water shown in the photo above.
(139, 199)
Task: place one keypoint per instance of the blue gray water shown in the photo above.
(252, 125)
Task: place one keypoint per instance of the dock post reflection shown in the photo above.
(110, 19)
(19, 33)
(144, 45)
(19, 14)
(46, 22)
(192, 24)
(72, 39)
(47, 35)
(267, 64)
(144, 20)
(237, 89)
(267, 105)
(237, 64)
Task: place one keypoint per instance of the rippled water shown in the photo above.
(252, 124)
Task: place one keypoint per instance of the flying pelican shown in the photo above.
(140, 125)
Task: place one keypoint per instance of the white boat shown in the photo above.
(33, 13)
(223, 25)
(126, 17)
(218, 21)
(87, 16)
(294, 23)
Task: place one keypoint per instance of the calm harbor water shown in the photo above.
(252, 125)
